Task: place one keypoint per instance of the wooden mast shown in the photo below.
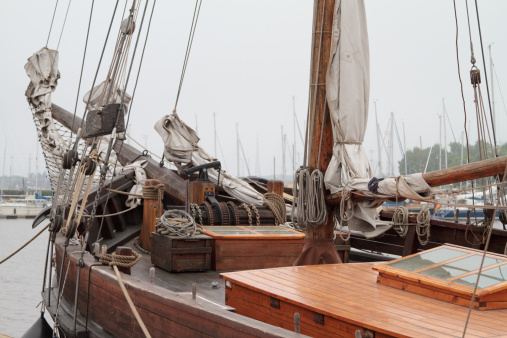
(319, 246)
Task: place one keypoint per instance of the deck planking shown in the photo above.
(350, 293)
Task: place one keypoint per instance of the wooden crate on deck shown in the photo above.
(253, 247)
(178, 254)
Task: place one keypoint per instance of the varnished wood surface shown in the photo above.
(349, 293)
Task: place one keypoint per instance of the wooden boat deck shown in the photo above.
(336, 300)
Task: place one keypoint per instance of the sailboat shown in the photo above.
(240, 273)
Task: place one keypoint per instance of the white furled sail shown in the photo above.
(181, 148)
(347, 92)
(42, 69)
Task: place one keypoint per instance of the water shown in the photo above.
(21, 275)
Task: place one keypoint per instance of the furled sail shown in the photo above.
(347, 91)
(42, 69)
(181, 147)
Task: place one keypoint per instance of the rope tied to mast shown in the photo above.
(276, 204)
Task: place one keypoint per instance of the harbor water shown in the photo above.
(21, 275)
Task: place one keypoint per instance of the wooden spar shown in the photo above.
(174, 185)
(321, 138)
(462, 173)
(319, 246)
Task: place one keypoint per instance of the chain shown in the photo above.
(247, 208)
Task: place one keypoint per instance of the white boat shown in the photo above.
(27, 207)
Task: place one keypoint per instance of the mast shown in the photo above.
(294, 145)
(405, 148)
(237, 149)
(3, 170)
(391, 147)
(492, 90)
(320, 122)
(215, 132)
(283, 157)
(440, 143)
(445, 133)
(379, 142)
(36, 167)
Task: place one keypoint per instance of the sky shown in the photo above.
(249, 68)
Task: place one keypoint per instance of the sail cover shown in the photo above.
(348, 91)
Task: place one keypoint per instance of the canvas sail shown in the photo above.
(347, 92)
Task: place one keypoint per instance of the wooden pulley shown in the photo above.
(56, 224)
(69, 158)
(90, 166)
(71, 230)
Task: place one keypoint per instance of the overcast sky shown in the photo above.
(249, 59)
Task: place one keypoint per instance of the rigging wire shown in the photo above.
(52, 20)
(82, 68)
(63, 26)
(193, 26)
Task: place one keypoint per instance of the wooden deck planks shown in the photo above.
(350, 292)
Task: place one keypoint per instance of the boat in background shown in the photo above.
(28, 206)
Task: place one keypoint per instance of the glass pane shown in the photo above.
(489, 277)
(257, 228)
(459, 267)
(239, 232)
(426, 259)
(215, 228)
(279, 232)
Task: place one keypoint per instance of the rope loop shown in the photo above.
(120, 260)
(400, 221)
(423, 226)
(177, 223)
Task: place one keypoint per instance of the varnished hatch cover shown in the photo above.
(450, 273)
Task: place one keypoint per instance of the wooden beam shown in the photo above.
(462, 173)
(174, 184)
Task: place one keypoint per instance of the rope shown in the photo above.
(400, 221)
(193, 26)
(52, 20)
(24, 245)
(155, 193)
(115, 260)
(177, 223)
(277, 205)
(308, 203)
(115, 214)
(423, 226)
(63, 26)
(249, 212)
(125, 193)
(120, 260)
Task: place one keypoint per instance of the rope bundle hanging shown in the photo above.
(400, 221)
(177, 223)
(308, 204)
(423, 226)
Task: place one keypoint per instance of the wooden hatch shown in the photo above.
(449, 273)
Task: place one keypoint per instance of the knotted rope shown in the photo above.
(277, 205)
(400, 221)
(423, 226)
(155, 192)
(177, 223)
(120, 260)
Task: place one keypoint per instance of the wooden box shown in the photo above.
(178, 254)
(253, 247)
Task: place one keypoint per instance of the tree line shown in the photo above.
(416, 160)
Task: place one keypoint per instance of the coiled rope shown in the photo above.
(277, 205)
(308, 204)
(177, 223)
(400, 221)
(423, 226)
(155, 193)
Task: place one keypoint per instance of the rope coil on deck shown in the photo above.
(177, 223)
(277, 205)
(120, 260)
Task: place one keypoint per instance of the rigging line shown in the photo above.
(499, 89)
(133, 93)
(450, 124)
(82, 68)
(52, 20)
(486, 76)
(98, 66)
(461, 82)
(244, 157)
(472, 58)
(63, 26)
(193, 26)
